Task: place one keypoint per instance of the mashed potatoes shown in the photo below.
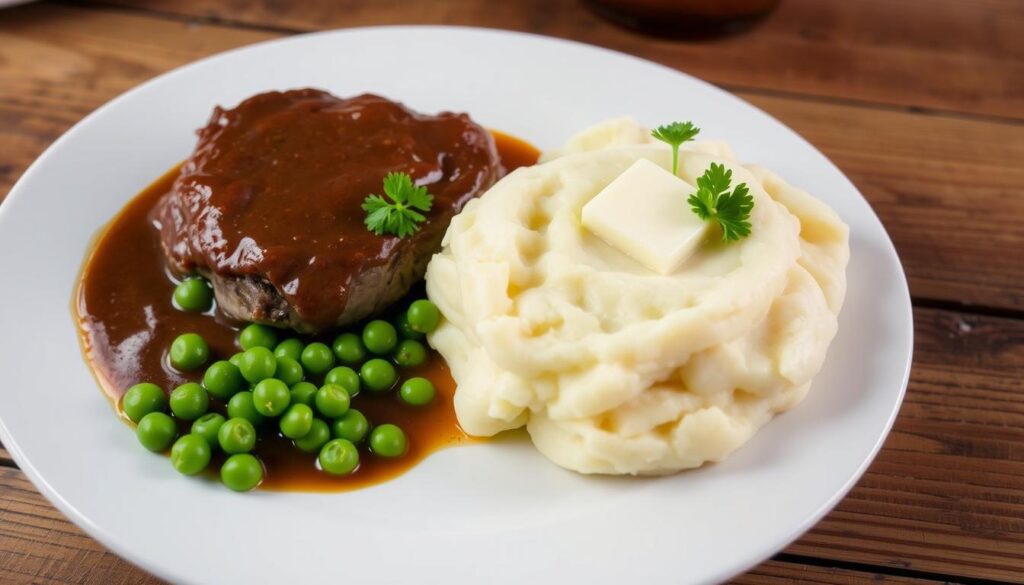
(612, 368)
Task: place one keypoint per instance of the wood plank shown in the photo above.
(943, 54)
(947, 188)
(944, 496)
(786, 573)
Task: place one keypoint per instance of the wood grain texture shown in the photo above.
(59, 63)
(946, 494)
(956, 55)
(786, 573)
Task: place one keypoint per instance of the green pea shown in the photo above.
(207, 426)
(236, 359)
(388, 440)
(223, 379)
(237, 435)
(193, 295)
(317, 358)
(332, 400)
(142, 399)
(189, 351)
(349, 349)
(271, 397)
(257, 364)
(189, 401)
(380, 337)
(352, 426)
(291, 348)
(156, 431)
(256, 335)
(405, 331)
(410, 353)
(339, 457)
(318, 434)
(241, 472)
(424, 316)
(241, 405)
(304, 393)
(378, 375)
(417, 391)
(345, 377)
(296, 421)
(190, 454)
(288, 371)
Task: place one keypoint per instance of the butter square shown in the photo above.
(644, 214)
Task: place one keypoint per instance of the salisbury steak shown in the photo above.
(268, 207)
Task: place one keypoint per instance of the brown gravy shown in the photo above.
(127, 322)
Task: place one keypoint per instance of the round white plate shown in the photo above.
(494, 513)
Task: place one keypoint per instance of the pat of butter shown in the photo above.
(644, 213)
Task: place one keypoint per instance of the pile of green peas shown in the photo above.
(266, 383)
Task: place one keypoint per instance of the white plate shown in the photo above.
(497, 513)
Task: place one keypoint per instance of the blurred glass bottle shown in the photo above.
(685, 18)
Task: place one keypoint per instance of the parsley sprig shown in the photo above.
(713, 201)
(675, 134)
(399, 216)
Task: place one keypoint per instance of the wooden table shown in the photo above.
(919, 102)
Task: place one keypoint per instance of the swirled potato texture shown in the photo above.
(612, 368)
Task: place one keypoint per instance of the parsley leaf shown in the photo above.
(713, 201)
(398, 216)
(675, 134)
